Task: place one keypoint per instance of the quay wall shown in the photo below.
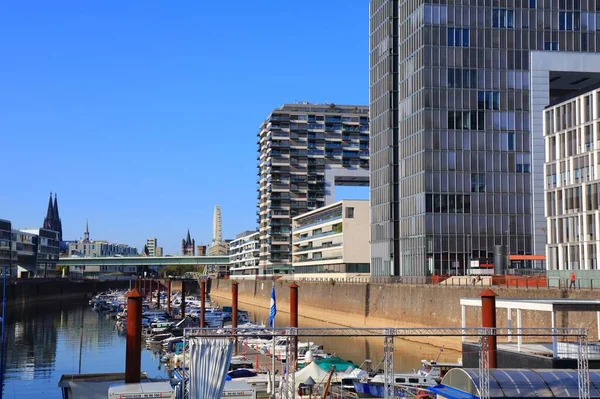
(19, 292)
(403, 305)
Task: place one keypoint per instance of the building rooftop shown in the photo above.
(324, 108)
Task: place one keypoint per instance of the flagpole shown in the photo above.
(273, 331)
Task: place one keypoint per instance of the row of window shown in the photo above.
(447, 203)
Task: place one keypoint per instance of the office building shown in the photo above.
(201, 250)
(52, 220)
(38, 252)
(29, 252)
(8, 247)
(457, 93)
(244, 254)
(304, 150)
(152, 245)
(188, 245)
(96, 248)
(572, 177)
(332, 241)
(219, 249)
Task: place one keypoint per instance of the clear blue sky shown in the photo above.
(142, 115)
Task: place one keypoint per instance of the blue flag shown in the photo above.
(273, 308)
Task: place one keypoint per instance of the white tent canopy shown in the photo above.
(312, 370)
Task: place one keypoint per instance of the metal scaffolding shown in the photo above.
(388, 335)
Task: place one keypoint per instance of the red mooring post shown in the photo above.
(169, 296)
(488, 320)
(202, 304)
(182, 299)
(158, 294)
(294, 314)
(234, 311)
(133, 360)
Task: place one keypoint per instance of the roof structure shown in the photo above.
(551, 305)
(512, 383)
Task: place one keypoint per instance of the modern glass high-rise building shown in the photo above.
(304, 150)
(457, 92)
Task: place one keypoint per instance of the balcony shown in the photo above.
(318, 222)
(318, 259)
(328, 233)
(321, 247)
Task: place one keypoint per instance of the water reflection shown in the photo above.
(407, 354)
(43, 342)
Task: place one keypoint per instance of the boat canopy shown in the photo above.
(511, 383)
(335, 361)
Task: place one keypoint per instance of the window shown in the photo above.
(466, 120)
(350, 212)
(532, 3)
(551, 46)
(568, 20)
(458, 37)
(462, 78)
(502, 18)
(488, 100)
(478, 182)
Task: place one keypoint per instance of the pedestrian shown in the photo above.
(572, 284)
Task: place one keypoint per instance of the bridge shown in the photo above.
(131, 265)
(149, 261)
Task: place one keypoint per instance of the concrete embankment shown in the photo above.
(402, 305)
(35, 290)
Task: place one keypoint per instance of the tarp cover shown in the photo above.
(209, 362)
(335, 361)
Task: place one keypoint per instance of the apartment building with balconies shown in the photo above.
(244, 255)
(332, 241)
(304, 150)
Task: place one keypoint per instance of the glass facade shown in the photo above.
(451, 137)
(572, 132)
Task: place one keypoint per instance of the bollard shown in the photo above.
(182, 299)
(169, 296)
(134, 337)
(157, 294)
(488, 320)
(202, 302)
(234, 312)
(294, 317)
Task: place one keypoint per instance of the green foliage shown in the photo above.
(177, 270)
(337, 228)
(59, 270)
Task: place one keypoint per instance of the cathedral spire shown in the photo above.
(50, 211)
(55, 209)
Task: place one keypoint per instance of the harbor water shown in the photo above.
(407, 354)
(45, 341)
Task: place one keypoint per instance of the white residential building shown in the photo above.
(332, 241)
(572, 181)
(244, 255)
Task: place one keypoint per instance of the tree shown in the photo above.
(176, 270)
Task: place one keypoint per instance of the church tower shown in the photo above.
(52, 220)
(188, 246)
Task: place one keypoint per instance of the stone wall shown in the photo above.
(33, 290)
(402, 305)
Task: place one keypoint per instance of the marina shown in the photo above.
(256, 356)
